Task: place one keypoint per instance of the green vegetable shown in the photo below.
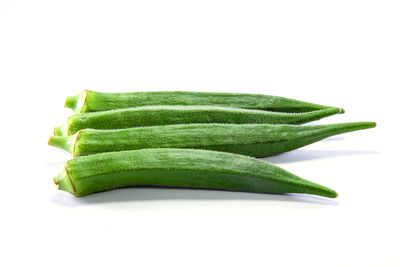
(257, 140)
(89, 101)
(187, 168)
(166, 115)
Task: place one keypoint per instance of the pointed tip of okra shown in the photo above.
(330, 193)
(337, 110)
(309, 187)
(317, 189)
(340, 128)
(333, 110)
(77, 102)
(318, 114)
(321, 190)
(366, 124)
(351, 126)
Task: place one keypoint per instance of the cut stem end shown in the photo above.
(64, 142)
(78, 102)
(64, 181)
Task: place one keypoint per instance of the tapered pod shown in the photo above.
(186, 168)
(90, 101)
(257, 140)
(168, 115)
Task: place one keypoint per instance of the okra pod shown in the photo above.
(184, 168)
(257, 140)
(90, 101)
(167, 115)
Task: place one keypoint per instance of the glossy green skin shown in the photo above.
(257, 140)
(167, 115)
(186, 168)
(90, 101)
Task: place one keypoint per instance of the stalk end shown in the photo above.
(63, 130)
(58, 131)
(71, 102)
(78, 102)
(56, 180)
(64, 142)
(64, 181)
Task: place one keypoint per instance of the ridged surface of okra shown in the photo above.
(257, 140)
(167, 115)
(90, 101)
(187, 168)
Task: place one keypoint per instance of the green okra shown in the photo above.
(90, 101)
(185, 168)
(167, 115)
(257, 140)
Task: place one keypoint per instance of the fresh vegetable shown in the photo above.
(89, 101)
(167, 115)
(187, 168)
(257, 140)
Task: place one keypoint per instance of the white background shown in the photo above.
(339, 53)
